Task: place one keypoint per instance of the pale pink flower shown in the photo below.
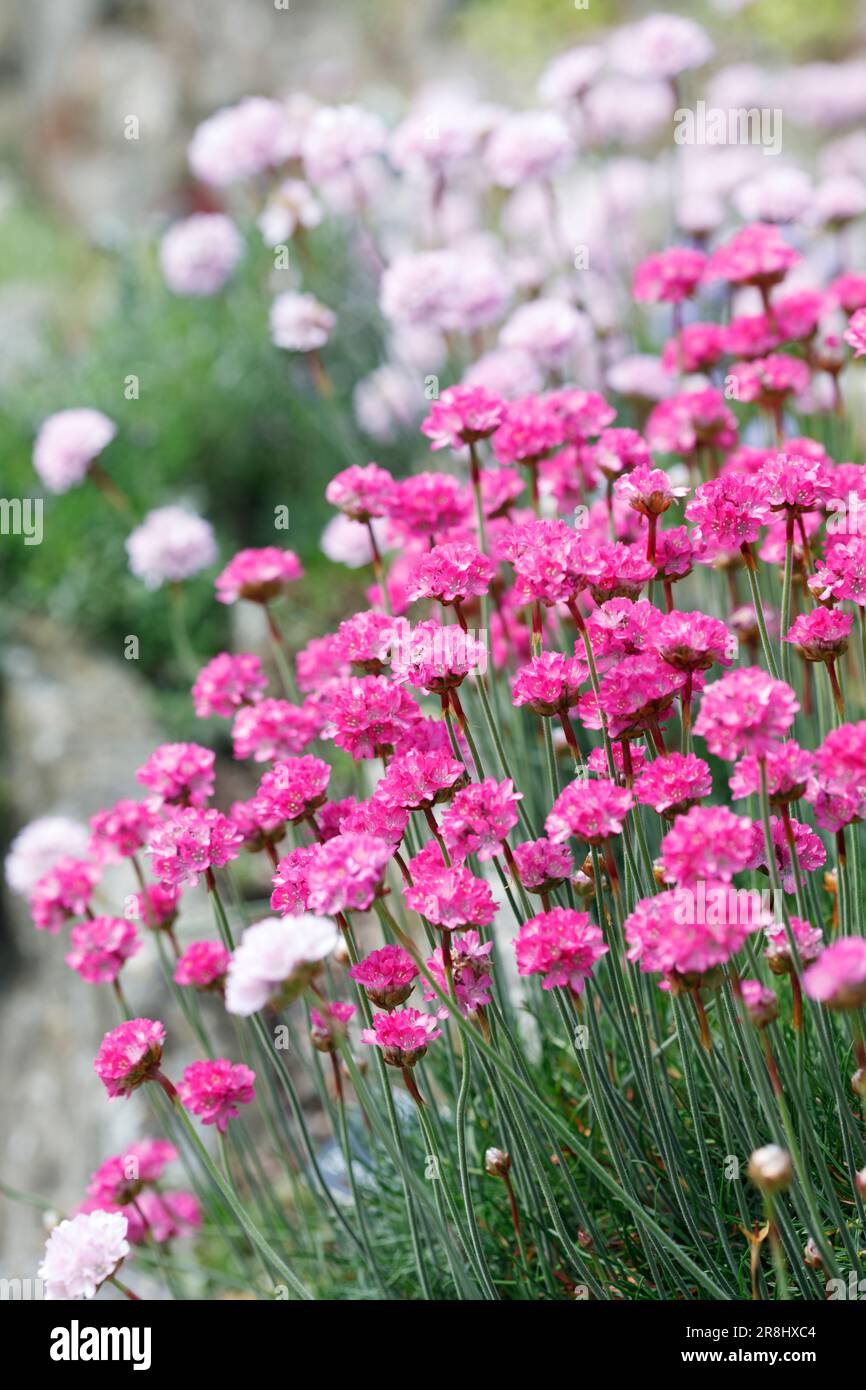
(276, 960)
(67, 444)
(299, 323)
(199, 255)
(82, 1253)
(528, 145)
(238, 142)
(171, 544)
(469, 972)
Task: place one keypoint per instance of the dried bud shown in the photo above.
(496, 1162)
(811, 1257)
(770, 1168)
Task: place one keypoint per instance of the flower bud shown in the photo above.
(811, 1255)
(496, 1163)
(770, 1168)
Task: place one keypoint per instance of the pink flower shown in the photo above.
(562, 946)
(549, 683)
(367, 640)
(755, 255)
(369, 715)
(429, 503)
(589, 809)
(841, 759)
(768, 380)
(258, 575)
(647, 490)
(617, 451)
(583, 414)
(179, 773)
(276, 960)
(796, 483)
(746, 711)
(451, 573)
(374, 817)
(240, 141)
(634, 695)
(197, 256)
(273, 729)
(82, 1253)
(292, 790)
(789, 769)
(614, 570)
(683, 423)
(417, 780)
(346, 873)
(120, 831)
(320, 661)
(100, 947)
(659, 46)
(760, 1003)
(842, 574)
(327, 1026)
(299, 323)
(811, 854)
(669, 276)
(64, 891)
(708, 842)
(435, 657)
(550, 330)
(386, 976)
(448, 896)
(122, 1177)
(728, 512)
(129, 1055)
(597, 761)
(479, 818)
(469, 972)
(693, 641)
(256, 822)
(291, 881)
(697, 347)
(821, 635)
(545, 558)
(162, 1216)
(527, 145)
(672, 784)
(542, 865)
(664, 936)
(676, 552)
(855, 333)
(838, 976)
(623, 627)
(215, 1090)
(808, 939)
(361, 491)
(203, 965)
(403, 1035)
(171, 544)
(67, 444)
(533, 427)
(191, 843)
(226, 683)
(849, 290)
(39, 846)
(463, 415)
(157, 907)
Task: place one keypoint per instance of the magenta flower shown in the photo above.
(821, 635)
(676, 552)
(647, 490)
(67, 444)
(129, 1055)
(549, 683)
(272, 729)
(292, 790)
(673, 783)
(562, 946)
(746, 711)
(634, 695)
(434, 657)
(614, 570)
(203, 965)
(842, 574)
(479, 818)
(346, 873)
(697, 347)
(795, 483)
(768, 380)
(122, 1177)
(693, 641)
(429, 503)
(367, 640)
(100, 947)
(618, 451)
(157, 907)
(361, 492)
(369, 715)
(448, 896)
(375, 817)
(789, 769)
(63, 892)
(179, 773)
(403, 1035)
(809, 847)
(329, 1024)
(214, 1090)
(319, 662)
(681, 424)
(760, 1003)
(463, 415)
(545, 557)
(418, 780)
(533, 427)
(226, 683)
(623, 627)
(728, 512)
(838, 976)
(669, 276)
(664, 936)
(121, 831)
(708, 842)
(291, 882)
(255, 824)
(386, 976)
(191, 843)
(469, 972)
(542, 865)
(584, 414)
(841, 759)
(589, 809)
(258, 575)
(451, 573)
(855, 333)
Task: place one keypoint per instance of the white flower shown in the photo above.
(81, 1254)
(37, 848)
(300, 323)
(170, 544)
(270, 953)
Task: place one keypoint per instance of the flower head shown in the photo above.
(181, 774)
(82, 1253)
(808, 939)
(417, 780)
(479, 818)
(728, 512)
(669, 276)
(463, 415)
(63, 892)
(67, 444)
(746, 711)
(549, 683)
(361, 491)
(191, 843)
(258, 575)
(129, 1055)
(673, 783)
(707, 843)
(276, 960)
(449, 896)
(542, 865)
(122, 830)
(272, 729)
(346, 873)
(100, 946)
(562, 946)
(292, 790)
(226, 683)
(452, 573)
(821, 635)
(197, 256)
(171, 544)
(214, 1090)
(203, 965)
(590, 809)
(403, 1035)
(469, 972)
(755, 255)
(386, 976)
(369, 715)
(838, 977)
